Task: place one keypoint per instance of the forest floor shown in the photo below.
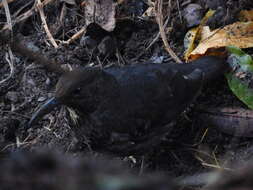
(193, 146)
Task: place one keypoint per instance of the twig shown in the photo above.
(164, 26)
(8, 1)
(159, 18)
(216, 166)
(28, 13)
(21, 9)
(63, 13)
(14, 113)
(7, 13)
(179, 12)
(18, 45)
(19, 143)
(11, 60)
(11, 67)
(75, 36)
(44, 23)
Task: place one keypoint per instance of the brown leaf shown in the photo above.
(246, 15)
(239, 34)
(101, 12)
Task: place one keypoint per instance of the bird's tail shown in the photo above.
(211, 66)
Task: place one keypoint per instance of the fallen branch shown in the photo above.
(75, 36)
(8, 1)
(10, 60)
(164, 26)
(27, 14)
(159, 18)
(44, 23)
(18, 45)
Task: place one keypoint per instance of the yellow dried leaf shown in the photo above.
(246, 15)
(239, 34)
(189, 41)
(194, 35)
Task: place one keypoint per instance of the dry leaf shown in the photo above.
(189, 41)
(194, 35)
(150, 12)
(246, 15)
(239, 34)
(120, 1)
(101, 12)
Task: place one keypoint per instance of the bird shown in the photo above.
(128, 110)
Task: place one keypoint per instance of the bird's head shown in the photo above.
(67, 88)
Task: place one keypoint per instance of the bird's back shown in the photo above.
(146, 98)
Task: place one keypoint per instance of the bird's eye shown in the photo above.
(77, 90)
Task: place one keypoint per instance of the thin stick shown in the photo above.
(19, 46)
(164, 26)
(159, 18)
(8, 1)
(7, 13)
(44, 23)
(11, 69)
(75, 36)
(27, 14)
(11, 60)
(180, 15)
(14, 113)
(21, 9)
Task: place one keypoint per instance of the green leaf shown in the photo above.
(235, 50)
(242, 66)
(240, 89)
(240, 59)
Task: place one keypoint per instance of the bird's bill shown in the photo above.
(43, 110)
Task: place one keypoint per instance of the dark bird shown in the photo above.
(123, 110)
(127, 110)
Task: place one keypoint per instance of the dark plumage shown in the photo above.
(126, 110)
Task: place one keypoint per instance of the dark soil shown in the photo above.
(189, 149)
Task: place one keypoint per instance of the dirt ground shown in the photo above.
(190, 148)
